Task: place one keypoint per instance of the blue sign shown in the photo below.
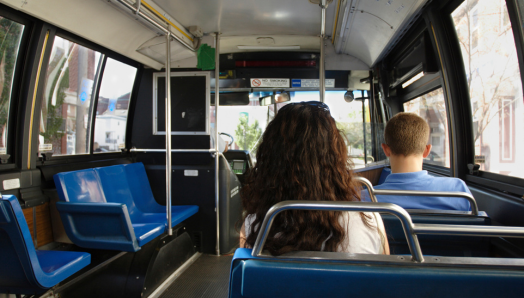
(112, 106)
(296, 83)
(83, 96)
(85, 90)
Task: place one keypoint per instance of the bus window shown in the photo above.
(494, 84)
(113, 102)
(68, 101)
(10, 36)
(431, 106)
(245, 123)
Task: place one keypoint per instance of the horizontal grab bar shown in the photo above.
(410, 230)
(396, 210)
(176, 150)
(387, 192)
(457, 230)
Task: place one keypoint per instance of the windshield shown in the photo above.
(247, 123)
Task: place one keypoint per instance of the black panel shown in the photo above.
(154, 263)
(200, 191)
(188, 103)
(142, 127)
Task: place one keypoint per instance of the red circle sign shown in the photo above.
(256, 83)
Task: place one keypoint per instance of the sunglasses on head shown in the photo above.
(317, 104)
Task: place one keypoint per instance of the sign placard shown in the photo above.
(11, 184)
(311, 83)
(191, 173)
(270, 83)
(45, 147)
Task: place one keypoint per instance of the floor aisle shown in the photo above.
(207, 277)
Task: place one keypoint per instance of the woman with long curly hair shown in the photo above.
(303, 156)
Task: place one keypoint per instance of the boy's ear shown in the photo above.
(426, 151)
(387, 150)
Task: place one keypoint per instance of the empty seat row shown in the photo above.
(113, 207)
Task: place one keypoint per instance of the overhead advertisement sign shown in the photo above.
(311, 83)
(269, 83)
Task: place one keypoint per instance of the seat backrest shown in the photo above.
(141, 189)
(441, 245)
(118, 189)
(258, 277)
(17, 252)
(79, 187)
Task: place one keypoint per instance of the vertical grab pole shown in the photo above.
(168, 133)
(217, 152)
(322, 74)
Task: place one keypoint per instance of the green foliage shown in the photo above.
(54, 112)
(353, 131)
(252, 133)
(10, 34)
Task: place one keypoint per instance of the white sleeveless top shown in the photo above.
(362, 239)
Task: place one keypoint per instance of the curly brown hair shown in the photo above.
(302, 156)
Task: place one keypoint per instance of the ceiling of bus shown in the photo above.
(363, 29)
(250, 17)
(366, 28)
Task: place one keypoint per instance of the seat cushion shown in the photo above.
(178, 215)
(147, 232)
(60, 263)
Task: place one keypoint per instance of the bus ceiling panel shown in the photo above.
(241, 18)
(96, 21)
(336, 61)
(155, 48)
(369, 28)
(257, 43)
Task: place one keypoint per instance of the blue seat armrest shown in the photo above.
(98, 225)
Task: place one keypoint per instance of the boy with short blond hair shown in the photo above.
(406, 136)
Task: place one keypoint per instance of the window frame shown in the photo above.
(499, 182)
(134, 94)
(423, 90)
(13, 138)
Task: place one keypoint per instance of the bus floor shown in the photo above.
(208, 276)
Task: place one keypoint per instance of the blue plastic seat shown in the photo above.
(441, 245)
(92, 222)
(113, 208)
(272, 277)
(128, 184)
(23, 269)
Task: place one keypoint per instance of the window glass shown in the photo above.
(113, 104)
(10, 36)
(495, 87)
(67, 104)
(247, 123)
(431, 106)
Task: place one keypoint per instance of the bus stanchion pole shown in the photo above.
(217, 153)
(322, 74)
(168, 133)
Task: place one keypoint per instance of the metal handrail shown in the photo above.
(396, 210)
(162, 27)
(410, 230)
(369, 186)
(175, 150)
(387, 192)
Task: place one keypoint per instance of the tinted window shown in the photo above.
(10, 36)
(495, 86)
(112, 107)
(431, 106)
(68, 101)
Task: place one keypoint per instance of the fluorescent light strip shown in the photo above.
(413, 79)
(268, 48)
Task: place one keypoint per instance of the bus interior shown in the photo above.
(114, 183)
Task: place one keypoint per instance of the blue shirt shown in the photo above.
(422, 181)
